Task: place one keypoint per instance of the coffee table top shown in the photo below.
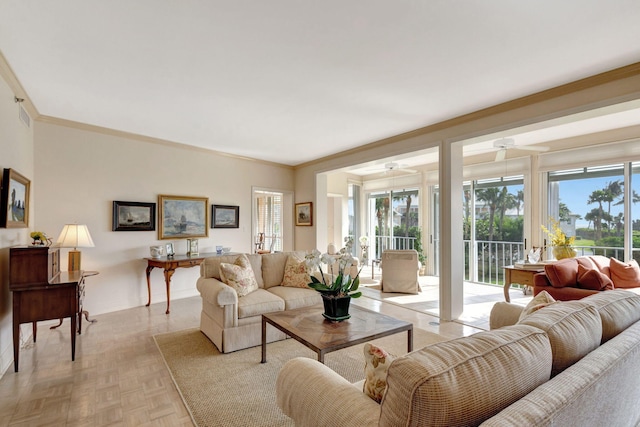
(308, 326)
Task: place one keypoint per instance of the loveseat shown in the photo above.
(233, 322)
(571, 363)
(575, 278)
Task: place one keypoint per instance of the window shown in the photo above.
(268, 219)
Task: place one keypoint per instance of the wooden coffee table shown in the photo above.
(309, 327)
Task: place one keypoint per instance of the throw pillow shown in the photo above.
(296, 273)
(625, 275)
(562, 273)
(592, 279)
(541, 300)
(239, 275)
(376, 364)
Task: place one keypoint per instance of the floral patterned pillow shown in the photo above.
(239, 275)
(296, 273)
(377, 362)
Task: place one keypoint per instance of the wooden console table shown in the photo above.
(169, 265)
(522, 276)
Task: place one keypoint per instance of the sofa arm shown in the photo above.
(504, 314)
(313, 395)
(216, 292)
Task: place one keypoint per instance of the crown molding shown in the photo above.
(143, 138)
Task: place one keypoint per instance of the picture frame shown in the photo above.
(304, 214)
(133, 216)
(182, 217)
(225, 216)
(14, 200)
(192, 247)
(168, 249)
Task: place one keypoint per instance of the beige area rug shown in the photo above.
(235, 389)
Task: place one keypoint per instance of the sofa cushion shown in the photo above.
(273, 267)
(296, 273)
(562, 273)
(210, 267)
(593, 279)
(296, 297)
(625, 275)
(574, 329)
(239, 275)
(259, 302)
(376, 365)
(467, 380)
(618, 310)
(601, 262)
(541, 300)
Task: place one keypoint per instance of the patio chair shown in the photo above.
(400, 271)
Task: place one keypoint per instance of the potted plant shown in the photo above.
(562, 245)
(336, 287)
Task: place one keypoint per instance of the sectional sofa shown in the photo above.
(570, 363)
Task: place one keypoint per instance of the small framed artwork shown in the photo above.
(225, 216)
(182, 217)
(192, 247)
(14, 200)
(304, 213)
(133, 216)
(168, 249)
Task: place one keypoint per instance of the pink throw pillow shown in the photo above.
(625, 275)
(562, 273)
(592, 279)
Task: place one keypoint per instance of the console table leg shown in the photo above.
(167, 280)
(149, 268)
(507, 285)
(264, 341)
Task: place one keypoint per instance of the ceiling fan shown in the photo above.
(391, 167)
(505, 144)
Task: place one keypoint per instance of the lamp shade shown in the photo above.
(75, 236)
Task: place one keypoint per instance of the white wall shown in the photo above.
(16, 152)
(81, 172)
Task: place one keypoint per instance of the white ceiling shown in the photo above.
(292, 81)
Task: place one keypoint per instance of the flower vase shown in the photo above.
(562, 252)
(336, 308)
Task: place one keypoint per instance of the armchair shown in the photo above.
(400, 271)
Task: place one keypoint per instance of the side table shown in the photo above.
(522, 276)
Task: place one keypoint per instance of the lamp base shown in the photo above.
(74, 260)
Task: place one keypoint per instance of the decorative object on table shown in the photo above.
(155, 251)
(338, 289)
(364, 247)
(169, 250)
(304, 214)
(75, 236)
(182, 217)
(331, 249)
(562, 244)
(14, 200)
(535, 255)
(226, 250)
(133, 216)
(192, 247)
(225, 216)
(219, 250)
(40, 239)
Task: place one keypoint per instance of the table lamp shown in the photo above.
(75, 236)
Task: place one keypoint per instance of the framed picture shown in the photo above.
(225, 216)
(169, 249)
(192, 247)
(182, 217)
(133, 216)
(14, 200)
(304, 213)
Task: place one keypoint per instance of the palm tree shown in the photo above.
(491, 197)
(598, 196)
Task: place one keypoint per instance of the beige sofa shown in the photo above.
(234, 323)
(569, 364)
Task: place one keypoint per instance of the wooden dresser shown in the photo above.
(42, 292)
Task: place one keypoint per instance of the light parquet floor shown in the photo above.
(119, 377)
